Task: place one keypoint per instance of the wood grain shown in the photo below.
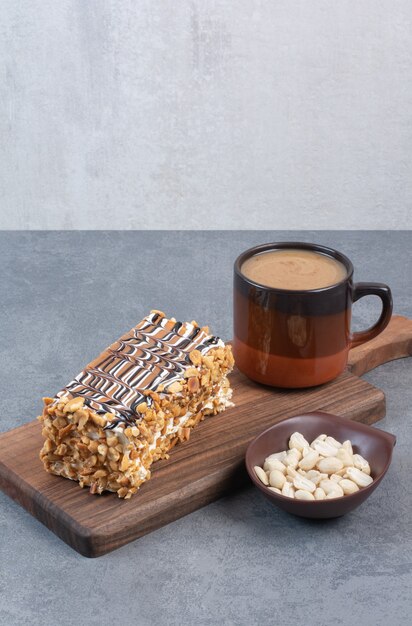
(198, 472)
(394, 343)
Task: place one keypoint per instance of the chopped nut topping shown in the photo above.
(65, 431)
(100, 473)
(193, 385)
(99, 420)
(48, 445)
(73, 405)
(93, 446)
(196, 357)
(184, 434)
(59, 422)
(208, 360)
(205, 378)
(92, 460)
(78, 415)
(113, 454)
(102, 449)
(112, 441)
(175, 387)
(191, 371)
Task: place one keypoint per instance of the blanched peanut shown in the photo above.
(329, 485)
(294, 452)
(315, 476)
(348, 446)
(273, 464)
(319, 438)
(279, 456)
(304, 483)
(330, 465)
(288, 490)
(341, 472)
(345, 457)
(325, 469)
(358, 477)
(333, 442)
(298, 441)
(305, 450)
(275, 489)
(319, 494)
(336, 493)
(325, 449)
(361, 463)
(291, 473)
(348, 486)
(309, 460)
(292, 458)
(261, 474)
(276, 479)
(303, 495)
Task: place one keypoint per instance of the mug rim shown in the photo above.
(301, 245)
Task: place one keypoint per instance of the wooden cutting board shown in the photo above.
(197, 472)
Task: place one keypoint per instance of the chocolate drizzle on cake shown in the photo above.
(153, 353)
(212, 340)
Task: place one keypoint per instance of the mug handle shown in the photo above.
(384, 293)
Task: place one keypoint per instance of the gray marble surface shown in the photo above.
(239, 560)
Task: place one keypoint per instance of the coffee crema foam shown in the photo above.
(294, 269)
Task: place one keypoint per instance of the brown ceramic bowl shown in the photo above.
(373, 444)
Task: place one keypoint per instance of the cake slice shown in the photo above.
(134, 402)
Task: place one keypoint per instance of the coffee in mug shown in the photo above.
(292, 313)
(293, 269)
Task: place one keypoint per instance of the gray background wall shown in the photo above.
(203, 114)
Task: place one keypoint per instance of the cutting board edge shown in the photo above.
(373, 414)
(93, 542)
(39, 506)
(200, 496)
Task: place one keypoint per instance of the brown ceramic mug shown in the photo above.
(288, 338)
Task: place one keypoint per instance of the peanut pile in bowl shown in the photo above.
(321, 470)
